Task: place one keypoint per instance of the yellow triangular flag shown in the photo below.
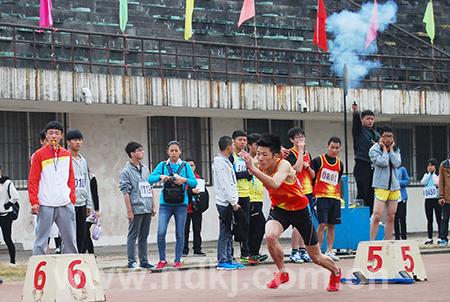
(428, 19)
(188, 19)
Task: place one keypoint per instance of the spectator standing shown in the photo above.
(139, 203)
(386, 160)
(364, 137)
(430, 181)
(51, 191)
(305, 175)
(257, 219)
(242, 217)
(400, 215)
(8, 197)
(83, 205)
(328, 169)
(227, 197)
(175, 174)
(444, 199)
(194, 215)
(95, 215)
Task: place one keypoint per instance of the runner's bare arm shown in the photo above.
(275, 181)
(298, 166)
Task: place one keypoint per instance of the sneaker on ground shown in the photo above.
(57, 251)
(333, 256)
(133, 265)
(247, 260)
(429, 242)
(177, 264)
(335, 282)
(263, 257)
(296, 258)
(201, 254)
(161, 264)
(443, 242)
(225, 266)
(147, 265)
(237, 265)
(278, 279)
(185, 255)
(305, 257)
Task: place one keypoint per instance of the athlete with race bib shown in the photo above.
(327, 191)
(289, 208)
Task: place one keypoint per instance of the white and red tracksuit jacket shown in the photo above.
(51, 181)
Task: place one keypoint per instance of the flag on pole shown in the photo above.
(45, 14)
(188, 19)
(123, 14)
(320, 34)
(428, 19)
(247, 11)
(373, 26)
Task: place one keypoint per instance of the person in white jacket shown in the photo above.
(8, 196)
(226, 202)
(430, 181)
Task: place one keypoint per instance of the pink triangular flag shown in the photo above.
(373, 27)
(45, 14)
(247, 11)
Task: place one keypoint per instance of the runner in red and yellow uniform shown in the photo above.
(327, 192)
(305, 175)
(289, 207)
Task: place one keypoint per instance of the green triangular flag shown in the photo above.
(428, 19)
(123, 14)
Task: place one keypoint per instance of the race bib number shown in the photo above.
(80, 183)
(145, 189)
(240, 166)
(430, 192)
(329, 177)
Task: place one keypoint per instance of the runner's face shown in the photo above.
(334, 149)
(252, 148)
(75, 144)
(298, 138)
(192, 164)
(53, 136)
(265, 157)
(240, 142)
(174, 152)
(368, 121)
(138, 154)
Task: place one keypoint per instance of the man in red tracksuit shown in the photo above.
(51, 190)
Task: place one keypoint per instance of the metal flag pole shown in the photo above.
(345, 84)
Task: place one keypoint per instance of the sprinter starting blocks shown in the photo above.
(64, 277)
(394, 261)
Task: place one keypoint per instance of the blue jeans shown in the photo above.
(165, 212)
(225, 241)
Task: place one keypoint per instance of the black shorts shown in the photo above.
(328, 210)
(301, 220)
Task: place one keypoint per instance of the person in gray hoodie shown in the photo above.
(83, 205)
(227, 197)
(386, 160)
(138, 197)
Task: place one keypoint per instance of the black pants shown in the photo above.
(400, 221)
(196, 218)
(6, 225)
(445, 217)
(256, 228)
(242, 224)
(430, 205)
(80, 217)
(89, 245)
(363, 174)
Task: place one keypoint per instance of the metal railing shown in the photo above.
(82, 51)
